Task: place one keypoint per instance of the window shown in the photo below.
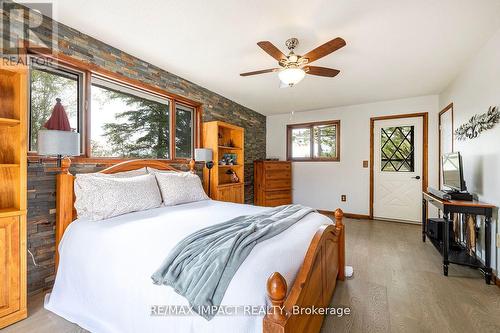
(314, 141)
(47, 84)
(184, 131)
(116, 117)
(397, 151)
(128, 123)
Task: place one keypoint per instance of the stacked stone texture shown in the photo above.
(41, 183)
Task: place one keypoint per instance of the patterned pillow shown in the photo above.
(131, 173)
(153, 170)
(180, 187)
(98, 198)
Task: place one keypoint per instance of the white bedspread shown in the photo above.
(104, 281)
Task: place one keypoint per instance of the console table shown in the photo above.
(460, 257)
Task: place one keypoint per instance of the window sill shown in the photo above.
(34, 158)
(314, 160)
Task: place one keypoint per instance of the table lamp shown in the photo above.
(58, 143)
(205, 155)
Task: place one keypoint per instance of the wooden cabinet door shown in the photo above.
(10, 293)
(230, 194)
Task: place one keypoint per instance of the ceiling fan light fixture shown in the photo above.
(291, 76)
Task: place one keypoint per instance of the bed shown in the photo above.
(103, 295)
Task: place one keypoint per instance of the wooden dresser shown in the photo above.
(13, 110)
(272, 183)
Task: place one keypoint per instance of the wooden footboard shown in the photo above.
(323, 265)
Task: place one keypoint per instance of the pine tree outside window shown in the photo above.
(129, 123)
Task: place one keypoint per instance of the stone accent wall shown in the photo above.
(41, 184)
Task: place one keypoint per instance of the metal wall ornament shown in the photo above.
(478, 123)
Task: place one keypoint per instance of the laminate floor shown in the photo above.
(397, 286)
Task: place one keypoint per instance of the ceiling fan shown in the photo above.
(294, 67)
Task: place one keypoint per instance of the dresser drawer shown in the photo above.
(279, 174)
(281, 194)
(278, 184)
(277, 166)
(277, 202)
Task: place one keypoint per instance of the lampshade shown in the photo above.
(291, 76)
(52, 143)
(203, 154)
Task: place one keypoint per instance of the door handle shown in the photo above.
(416, 177)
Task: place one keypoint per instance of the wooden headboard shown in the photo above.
(65, 194)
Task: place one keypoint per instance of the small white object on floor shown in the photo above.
(349, 271)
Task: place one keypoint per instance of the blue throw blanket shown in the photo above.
(201, 266)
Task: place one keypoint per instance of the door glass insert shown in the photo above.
(397, 149)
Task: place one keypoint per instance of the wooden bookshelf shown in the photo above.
(224, 138)
(13, 111)
(229, 148)
(9, 122)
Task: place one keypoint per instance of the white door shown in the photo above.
(397, 169)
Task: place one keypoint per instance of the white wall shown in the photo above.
(320, 184)
(472, 92)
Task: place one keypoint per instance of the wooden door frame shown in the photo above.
(449, 107)
(425, 151)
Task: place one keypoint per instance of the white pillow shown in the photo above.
(131, 173)
(180, 187)
(98, 198)
(153, 170)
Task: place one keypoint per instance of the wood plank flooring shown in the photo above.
(397, 286)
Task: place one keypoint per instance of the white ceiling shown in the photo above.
(395, 48)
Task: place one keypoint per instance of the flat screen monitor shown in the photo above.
(453, 176)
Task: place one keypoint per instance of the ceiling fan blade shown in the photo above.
(272, 50)
(325, 49)
(259, 72)
(321, 71)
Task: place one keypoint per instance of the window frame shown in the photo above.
(173, 133)
(310, 126)
(60, 70)
(111, 85)
(85, 113)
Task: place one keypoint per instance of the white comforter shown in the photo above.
(103, 282)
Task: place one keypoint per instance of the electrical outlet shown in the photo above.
(365, 164)
(498, 240)
(343, 198)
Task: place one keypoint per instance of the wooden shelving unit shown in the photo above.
(229, 148)
(13, 110)
(9, 122)
(224, 138)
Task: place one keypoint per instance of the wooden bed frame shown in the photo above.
(314, 285)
